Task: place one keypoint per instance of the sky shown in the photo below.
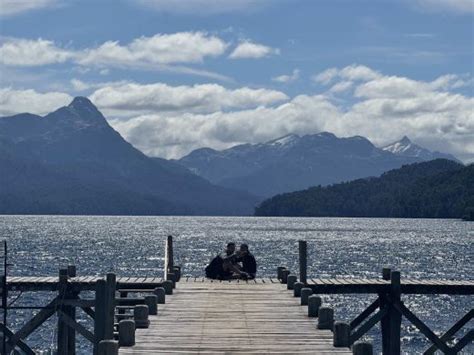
(175, 75)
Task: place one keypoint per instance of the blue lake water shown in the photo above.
(337, 247)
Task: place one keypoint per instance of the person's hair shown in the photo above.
(244, 246)
(230, 244)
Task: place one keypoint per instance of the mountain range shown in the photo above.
(295, 162)
(72, 162)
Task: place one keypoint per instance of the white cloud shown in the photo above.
(288, 78)
(202, 7)
(249, 49)
(352, 72)
(161, 52)
(385, 109)
(174, 135)
(125, 99)
(14, 7)
(326, 76)
(165, 52)
(25, 52)
(455, 6)
(358, 72)
(18, 101)
(170, 121)
(341, 86)
(396, 87)
(181, 47)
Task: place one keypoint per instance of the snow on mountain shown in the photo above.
(405, 147)
(292, 162)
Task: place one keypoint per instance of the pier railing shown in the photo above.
(114, 314)
(388, 309)
(122, 304)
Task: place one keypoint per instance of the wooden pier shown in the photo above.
(259, 316)
(174, 314)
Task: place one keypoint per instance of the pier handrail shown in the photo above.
(388, 309)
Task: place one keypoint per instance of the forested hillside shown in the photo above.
(435, 189)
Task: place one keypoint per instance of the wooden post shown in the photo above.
(160, 294)
(172, 277)
(140, 316)
(152, 302)
(362, 348)
(297, 287)
(342, 334)
(168, 286)
(169, 261)
(284, 276)
(177, 273)
(314, 302)
(302, 247)
(290, 281)
(71, 271)
(63, 331)
(385, 321)
(394, 315)
(279, 270)
(126, 330)
(325, 318)
(305, 293)
(108, 347)
(71, 312)
(100, 312)
(111, 285)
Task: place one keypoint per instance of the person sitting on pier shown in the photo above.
(249, 264)
(224, 266)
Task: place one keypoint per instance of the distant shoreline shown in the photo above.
(223, 216)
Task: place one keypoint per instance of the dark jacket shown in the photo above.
(215, 269)
(249, 264)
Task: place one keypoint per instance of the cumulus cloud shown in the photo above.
(201, 7)
(161, 52)
(385, 108)
(352, 72)
(14, 7)
(287, 78)
(126, 99)
(182, 47)
(174, 135)
(18, 101)
(248, 49)
(25, 52)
